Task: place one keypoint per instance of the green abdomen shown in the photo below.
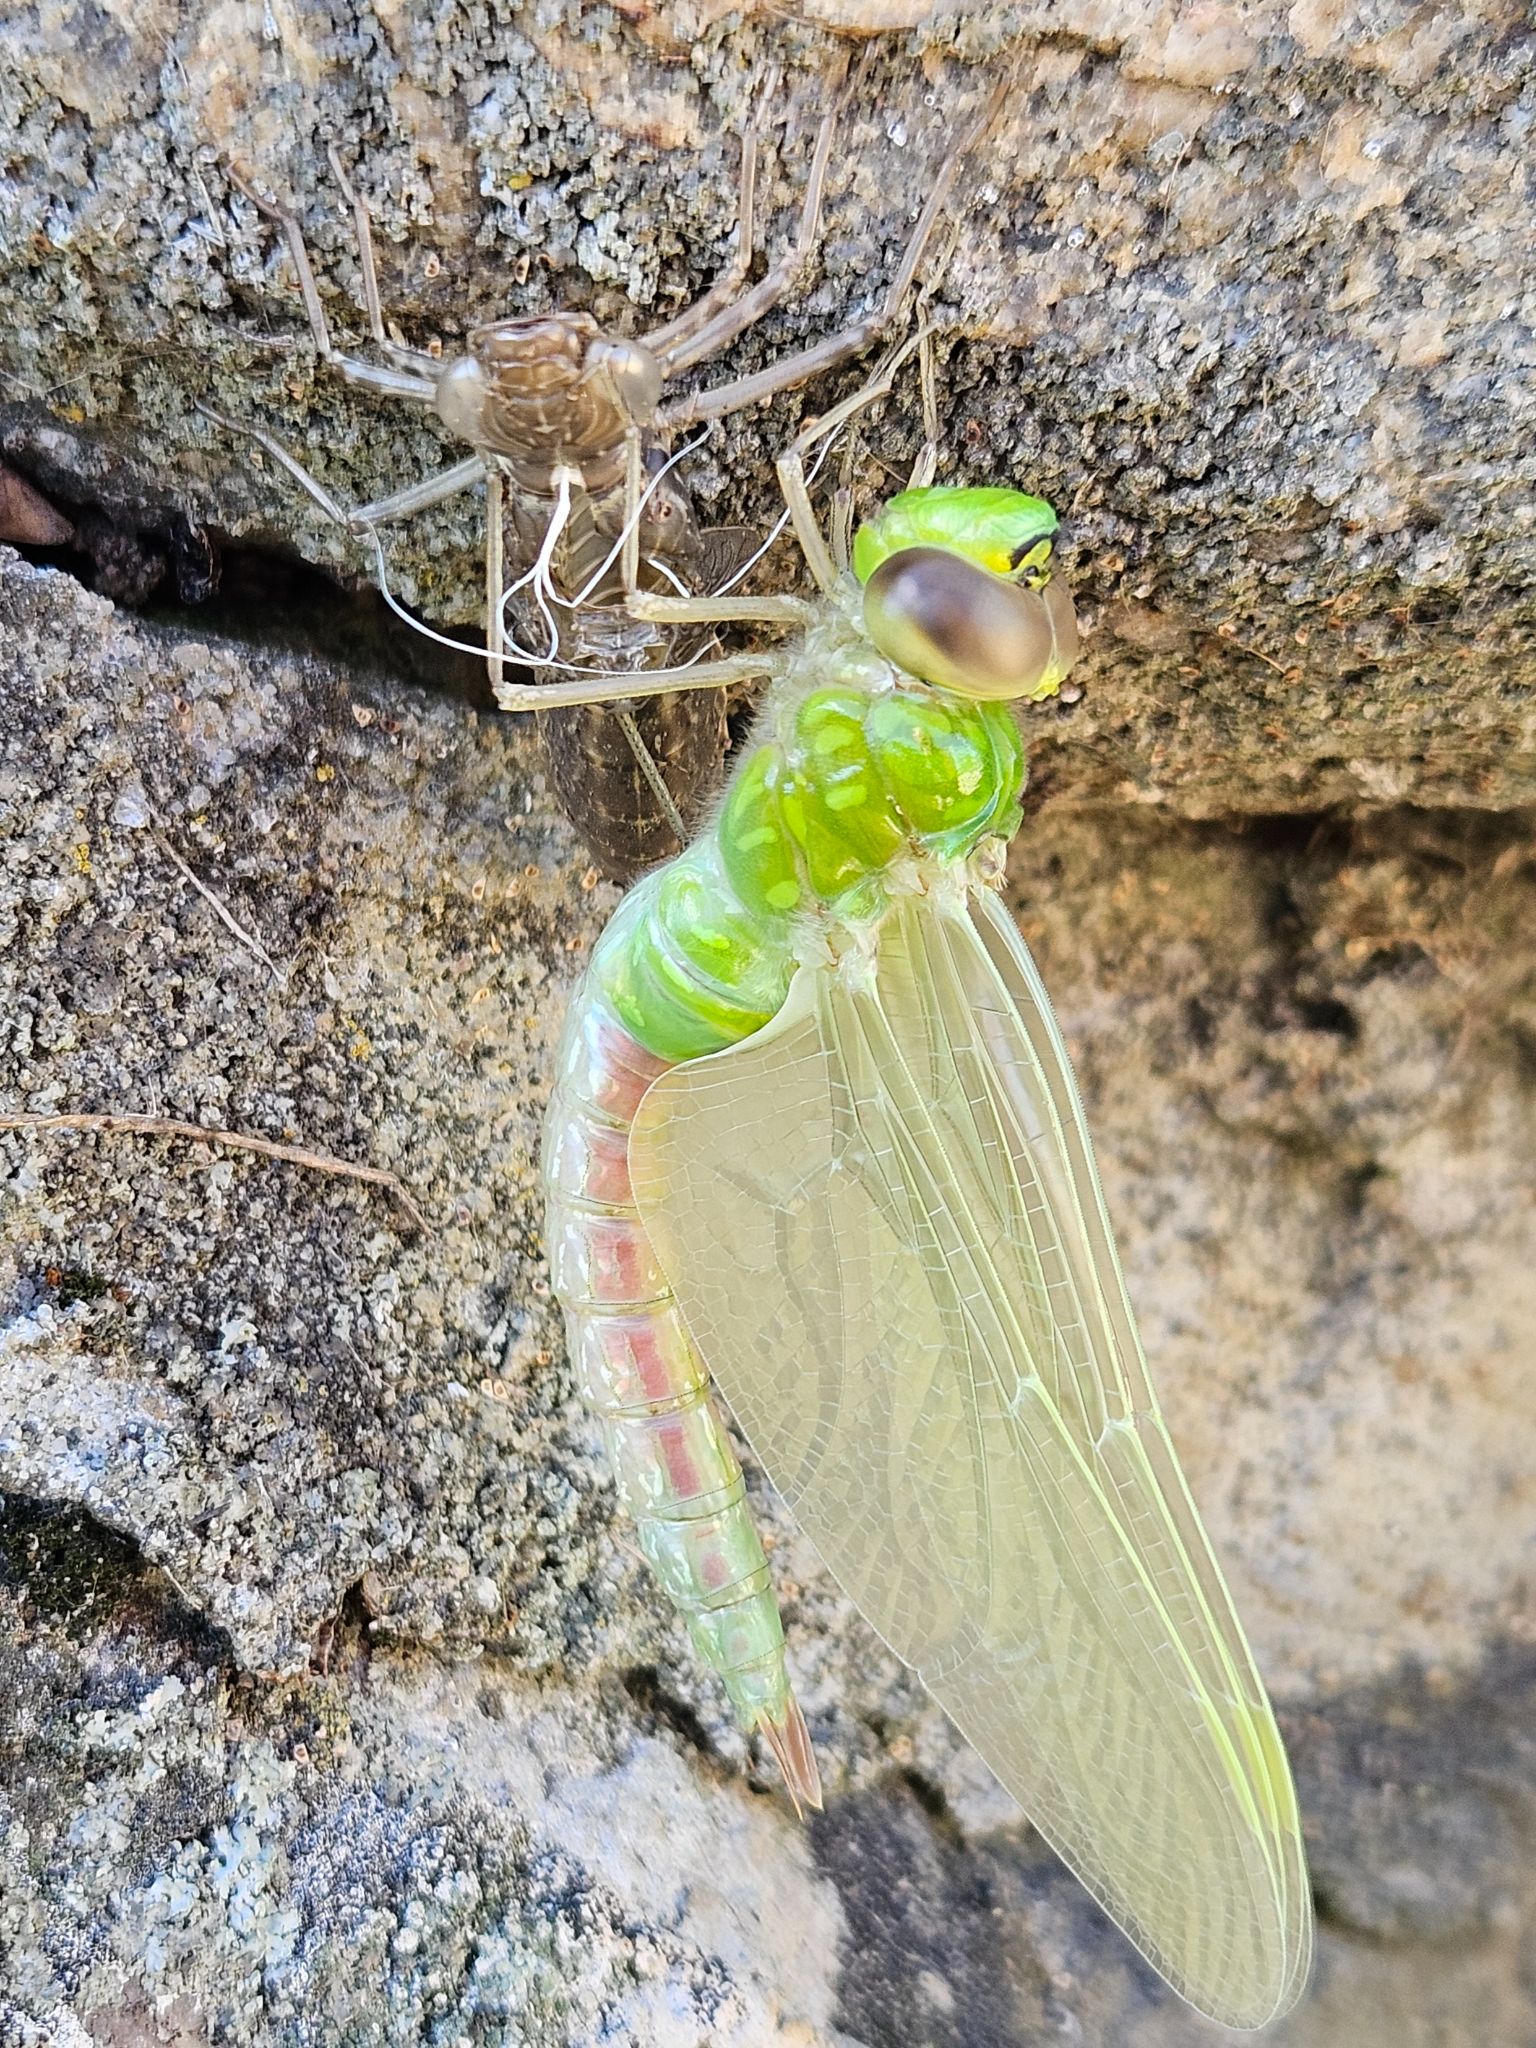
(852, 783)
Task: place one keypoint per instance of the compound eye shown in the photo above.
(636, 375)
(961, 627)
(460, 399)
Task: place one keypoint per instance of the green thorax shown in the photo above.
(856, 772)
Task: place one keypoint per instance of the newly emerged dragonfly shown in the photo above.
(570, 425)
(815, 1136)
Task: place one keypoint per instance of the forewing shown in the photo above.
(881, 1217)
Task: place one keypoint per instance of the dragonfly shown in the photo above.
(815, 1144)
(570, 427)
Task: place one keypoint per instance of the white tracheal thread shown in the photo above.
(546, 594)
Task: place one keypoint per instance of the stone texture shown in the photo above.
(337, 1705)
(334, 1705)
(1251, 300)
(289, 800)
(1309, 1049)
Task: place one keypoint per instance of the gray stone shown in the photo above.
(338, 1705)
(1246, 299)
(335, 1706)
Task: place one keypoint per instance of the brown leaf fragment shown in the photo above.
(26, 515)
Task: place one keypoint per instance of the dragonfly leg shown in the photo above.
(647, 764)
(402, 504)
(362, 227)
(615, 687)
(923, 467)
(927, 461)
(791, 464)
(388, 383)
(416, 360)
(436, 489)
(663, 610)
(661, 341)
(634, 485)
(495, 594)
(719, 399)
(728, 315)
(840, 525)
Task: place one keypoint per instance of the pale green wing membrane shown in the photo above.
(882, 1220)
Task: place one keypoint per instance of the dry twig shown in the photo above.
(171, 1127)
(224, 915)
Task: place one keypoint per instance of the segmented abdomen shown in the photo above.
(641, 1374)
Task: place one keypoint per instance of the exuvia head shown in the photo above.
(544, 384)
(958, 592)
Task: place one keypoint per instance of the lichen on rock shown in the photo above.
(335, 1706)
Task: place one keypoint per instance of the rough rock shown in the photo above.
(335, 1706)
(1247, 298)
(338, 1705)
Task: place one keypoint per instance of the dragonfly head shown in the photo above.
(959, 593)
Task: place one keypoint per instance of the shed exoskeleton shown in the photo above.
(570, 426)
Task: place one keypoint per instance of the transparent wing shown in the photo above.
(882, 1219)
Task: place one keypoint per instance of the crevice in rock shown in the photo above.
(345, 1637)
(930, 1796)
(270, 597)
(1420, 1800)
(1522, 1038)
(644, 1685)
(65, 1564)
(927, 1962)
(68, 1564)
(172, 572)
(1327, 1013)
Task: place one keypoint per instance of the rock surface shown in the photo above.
(338, 1707)
(1249, 299)
(334, 1705)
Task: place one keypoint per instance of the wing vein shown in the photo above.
(978, 1455)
